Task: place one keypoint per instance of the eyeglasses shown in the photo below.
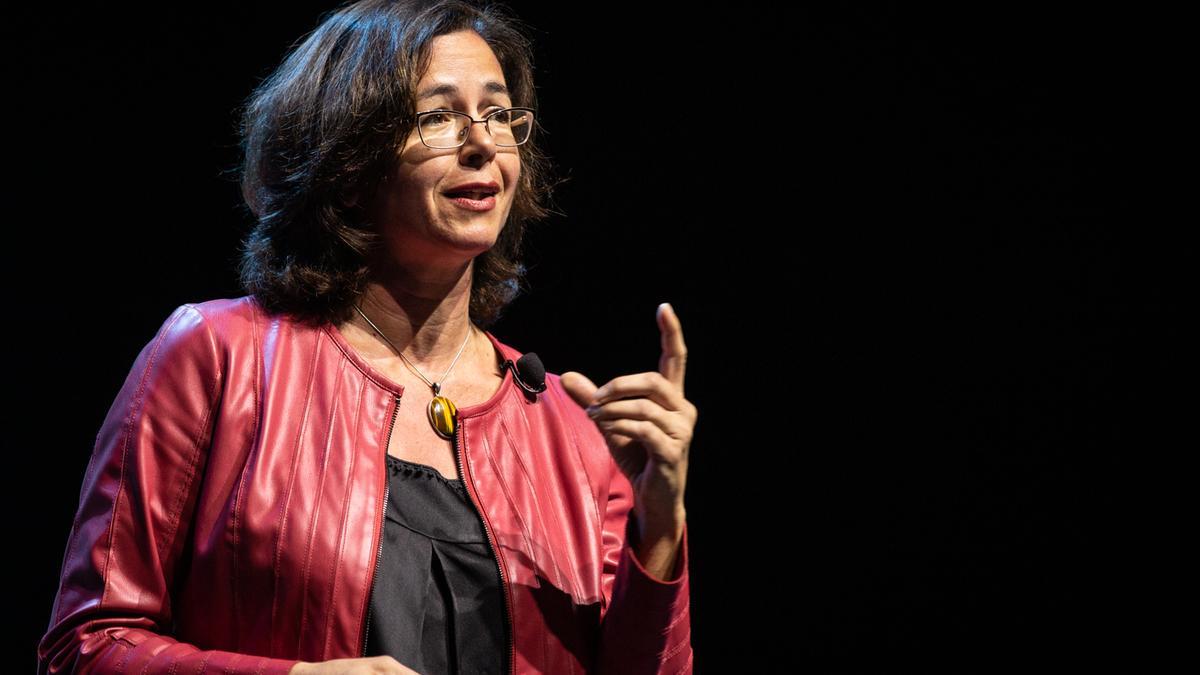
(449, 129)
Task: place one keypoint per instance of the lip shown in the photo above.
(486, 204)
(491, 186)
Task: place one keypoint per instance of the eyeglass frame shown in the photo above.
(485, 121)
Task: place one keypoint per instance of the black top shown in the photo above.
(437, 603)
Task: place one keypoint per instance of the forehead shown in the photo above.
(461, 63)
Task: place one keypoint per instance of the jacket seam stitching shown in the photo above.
(562, 575)
(134, 409)
(285, 503)
(684, 642)
(333, 587)
(255, 442)
(70, 552)
(578, 451)
(335, 561)
(126, 654)
(560, 507)
(687, 665)
(185, 488)
(310, 535)
(537, 508)
(524, 526)
(680, 614)
(577, 446)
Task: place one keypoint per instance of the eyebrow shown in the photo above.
(492, 87)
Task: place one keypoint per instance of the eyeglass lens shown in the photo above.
(450, 129)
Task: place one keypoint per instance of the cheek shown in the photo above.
(416, 189)
(512, 175)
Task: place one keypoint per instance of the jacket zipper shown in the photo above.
(512, 651)
(387, 488)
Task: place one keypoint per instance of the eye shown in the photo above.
(435, 119)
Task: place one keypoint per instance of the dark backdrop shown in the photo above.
(890, 235)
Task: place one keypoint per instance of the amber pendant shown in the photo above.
(442, 415)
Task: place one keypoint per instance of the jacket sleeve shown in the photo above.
(112, 613)
(646, 625)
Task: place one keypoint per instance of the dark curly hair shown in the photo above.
(326, 124)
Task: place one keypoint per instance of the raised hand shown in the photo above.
(648, 426)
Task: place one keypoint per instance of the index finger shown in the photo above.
(673, 361)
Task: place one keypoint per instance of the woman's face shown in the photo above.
(423, 227)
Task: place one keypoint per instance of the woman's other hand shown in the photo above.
(648, 426)
(372, 665)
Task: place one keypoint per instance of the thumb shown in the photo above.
(579, 387)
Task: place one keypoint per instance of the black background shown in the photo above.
(898, 241)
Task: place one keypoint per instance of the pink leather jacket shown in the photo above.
(230, 517)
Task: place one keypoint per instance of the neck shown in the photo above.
(426, 317)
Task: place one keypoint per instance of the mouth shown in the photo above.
(473, 200)
(476, 195)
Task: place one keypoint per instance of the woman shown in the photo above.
(344, 471)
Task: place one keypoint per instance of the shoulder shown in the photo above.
(226, 316)
(241, 324)
(201, 334)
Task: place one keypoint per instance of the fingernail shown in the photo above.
(592, 410)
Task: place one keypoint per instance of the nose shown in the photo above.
(479, 144)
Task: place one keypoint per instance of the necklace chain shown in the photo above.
(436, 386)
